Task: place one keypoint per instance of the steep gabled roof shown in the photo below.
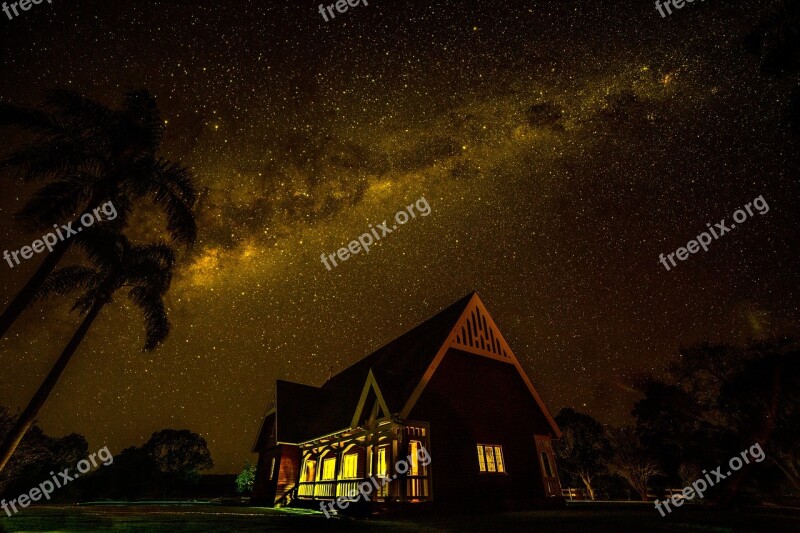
(399, 365)
(305, 412)
(401, 370)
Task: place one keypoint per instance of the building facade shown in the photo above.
(452, 386)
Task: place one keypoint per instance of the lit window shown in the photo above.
(328, 469)
(413, 452)
(490, 458)
(272, 469)
(382, 464)
(311, 471)
(350, 466)
(498, 457)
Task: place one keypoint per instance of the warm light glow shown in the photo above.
(490, 458)
(328, 469)
(382, 463)
(310, 471)
(481, 461)
(498, 457)
(413, 449)
(350, 466)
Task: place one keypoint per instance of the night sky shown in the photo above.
(561, 145)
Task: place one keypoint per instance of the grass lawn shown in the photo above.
(576, 518)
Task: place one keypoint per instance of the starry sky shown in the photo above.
(561, 145)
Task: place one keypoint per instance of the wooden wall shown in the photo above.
(270, 486)
(473, 400)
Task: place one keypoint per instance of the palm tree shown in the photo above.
(90, 154)
(145, 270)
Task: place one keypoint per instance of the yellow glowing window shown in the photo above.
(413, 452)
(311, 471)
(350, 466)
(328, 468)
(490, 458)
(498, 457)
(382, 464)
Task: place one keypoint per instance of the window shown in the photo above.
(498, 457)
(382, 464)
(311, 471)
(413, 452)
(490, 459)
(548, 469)
(350, 466)
(328, 469)
(272, 469)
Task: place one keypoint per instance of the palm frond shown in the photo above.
(80, 114)
(33, 120)
(159, 254)
(178, 178)
(155, 316)
(148, 176)
(151, 266)
(68, 279)
(104, 248)
(87, 300)
(170, 186)
(180, 218)
(58, 200)
(49, 158)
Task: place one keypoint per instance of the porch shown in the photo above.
(383, 459)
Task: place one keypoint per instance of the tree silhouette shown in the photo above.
(583, 449)
(719, 400)
(90, 154)
(37, 455)
(179, 455)
(145, 270)
(630, 461)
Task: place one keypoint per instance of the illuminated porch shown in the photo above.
(335, 465)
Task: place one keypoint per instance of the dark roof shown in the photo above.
(399, 366)
(304, 412)
(294, 404)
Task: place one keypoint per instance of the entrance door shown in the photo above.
(547, 466)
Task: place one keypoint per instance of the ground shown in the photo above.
(200, 518)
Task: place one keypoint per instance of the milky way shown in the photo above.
(562, 147)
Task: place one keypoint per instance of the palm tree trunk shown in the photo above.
(26, 294)
(27, 418)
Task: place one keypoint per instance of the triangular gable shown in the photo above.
(369, 385)
(475, 332)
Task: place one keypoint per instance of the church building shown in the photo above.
(451, 385)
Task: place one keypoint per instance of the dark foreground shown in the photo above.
(589, 518)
